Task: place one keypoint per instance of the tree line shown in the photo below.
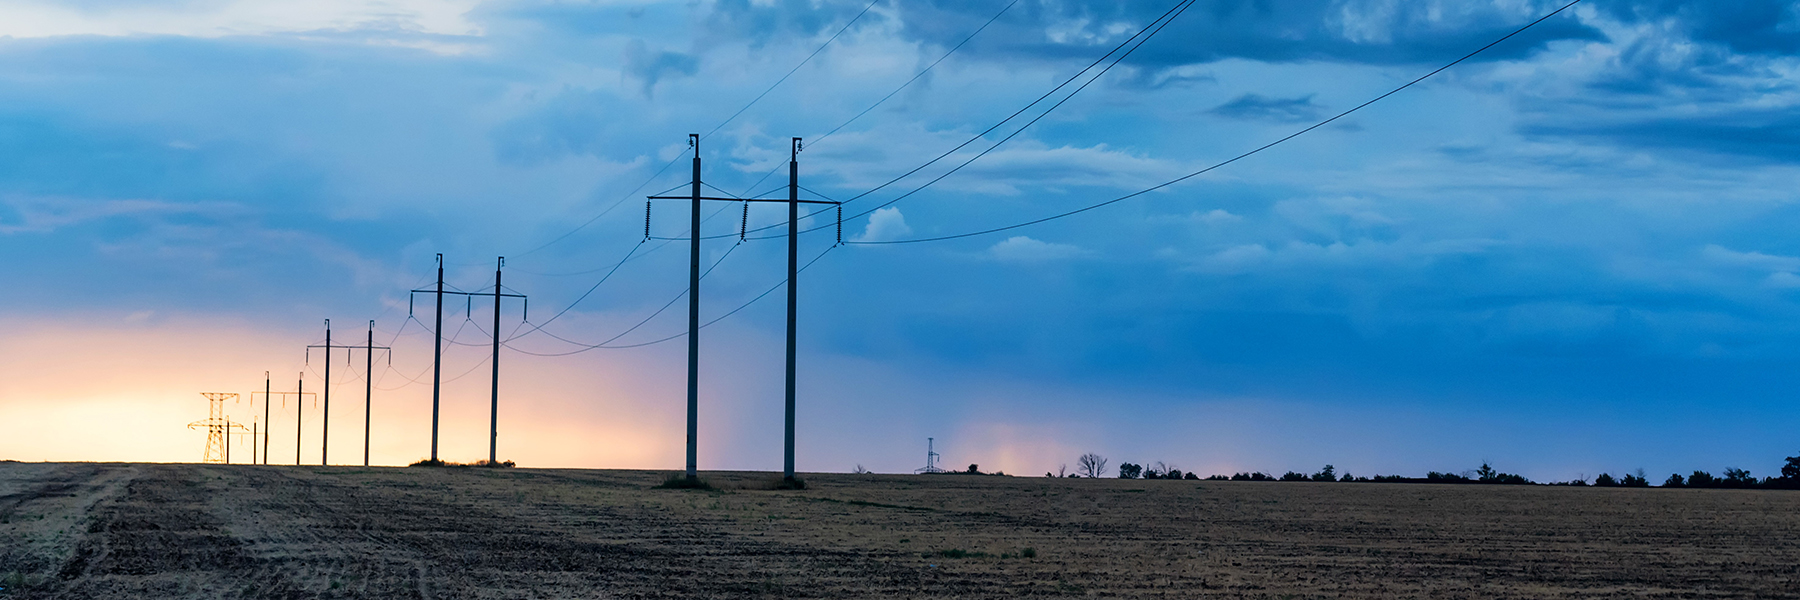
(1093, 465)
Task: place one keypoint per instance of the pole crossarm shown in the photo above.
(715, 198)
(363, 347)
(524, 306)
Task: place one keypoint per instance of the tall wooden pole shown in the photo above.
(693, 382)
(793, 303)
(494, 410)
(437, 358)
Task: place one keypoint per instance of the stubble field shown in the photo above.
(87, 530)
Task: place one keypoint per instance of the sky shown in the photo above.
(1567, 255)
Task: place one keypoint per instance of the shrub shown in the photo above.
(1130, 471)
(1436, 477)
(1605, 480)
(681, 482)
(1191, 476)
(1702, 479)
(1737, 478)
(1635, 480)
(1217, 477)
(1292, 476)
(1674, 481)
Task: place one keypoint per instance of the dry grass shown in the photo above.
(130, 531)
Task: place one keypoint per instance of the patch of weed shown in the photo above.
(681, 482)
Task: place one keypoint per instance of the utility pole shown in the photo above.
(494, 408)
(325, 420)
(693, 382)
(299, 392)
(793, 307)
(793, 201)
(437, 359)
(269, 395)
(368, 386)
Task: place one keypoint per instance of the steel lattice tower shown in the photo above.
(217, 447)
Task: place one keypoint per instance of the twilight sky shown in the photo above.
(1571, 255)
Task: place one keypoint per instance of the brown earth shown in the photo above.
(214, 531)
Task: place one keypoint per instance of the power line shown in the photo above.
(1167, 15)
(1157, 29)
(677, 336)
(791, 72)
(653, 315)
(715, 129)
(1235, 158)
(896, 91)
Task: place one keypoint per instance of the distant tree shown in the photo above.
(859, 470)
(973, 470)
(1062, 470)
(1634, 480)
(1218, 478)
(1175, 474)
(1436, 477)
(1160, 471)
(1791, 470)
(1605, 480)
(1701, 479)
(1190, 475)
(1091, 465)
(1486, 473)
(1329, 473)
(1737, 478)
(1292, 476)
(1130, 471)
(1674, 481)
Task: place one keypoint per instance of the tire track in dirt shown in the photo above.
(156, 538)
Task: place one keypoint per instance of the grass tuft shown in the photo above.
(681, 482)
(432, 462)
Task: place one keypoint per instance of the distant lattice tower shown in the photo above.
(931, 458)
(216, 426)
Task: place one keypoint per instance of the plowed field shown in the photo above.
(213, 531)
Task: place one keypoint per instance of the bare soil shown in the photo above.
(215, 531)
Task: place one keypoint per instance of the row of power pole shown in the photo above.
(695, 198)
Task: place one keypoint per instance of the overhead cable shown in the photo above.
(1234, 158)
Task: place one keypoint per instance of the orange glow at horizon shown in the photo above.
(102, 388)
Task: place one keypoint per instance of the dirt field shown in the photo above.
(150, 531)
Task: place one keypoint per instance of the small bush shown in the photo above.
(1292, 476)
(791, 484)
(1130, 471)
(681, 482)
(1190, 476)
(1028, 552)
(1674, 481)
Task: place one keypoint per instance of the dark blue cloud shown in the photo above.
(1766, 135)
(1744, 26)
(1313, 30)
(651, 66)
(1280, 110)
